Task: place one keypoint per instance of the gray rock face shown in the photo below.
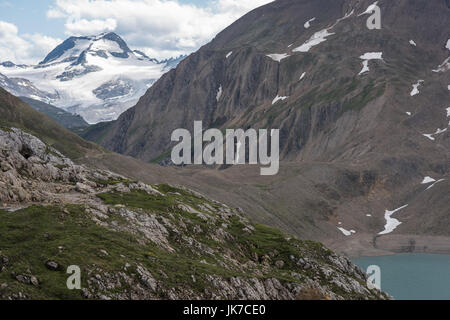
(176, 229)
(31, 171)
(64, 118)
(15, 141)
(352, 145)
(76, 73)
(52, 265)
(113, 89)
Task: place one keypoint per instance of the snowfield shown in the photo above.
(97, 78)
(391, 223)
(308, 23)
(346, 232)
(415, 90)
(427, 180)
(431, 135)
(317, 38)
(367, 57)
(278, 98)
(219, 93)
(278, 56)
(370, 8)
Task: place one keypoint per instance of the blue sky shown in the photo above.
(29, 29)
(30, 15)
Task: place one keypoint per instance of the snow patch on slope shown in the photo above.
(431, 135)
(428, 180)
(308, 23)
(444, 66)
(278, 56)
(435, 184)
(219, 93)
(367, 57)
(370, 8)
(278, 98)
(346, 232)
(415, 90)
(317, 38)
(391, 223)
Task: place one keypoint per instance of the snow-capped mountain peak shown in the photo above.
(75, 47)
(98, 77)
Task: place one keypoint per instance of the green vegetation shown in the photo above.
(68, 235)
(138, 199)
(95, 132)
(112, 181)
(161, 157)
(64, 118)
(344, 92)
(33, 236)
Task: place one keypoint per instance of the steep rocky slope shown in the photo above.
(363, 118)
(137, 241)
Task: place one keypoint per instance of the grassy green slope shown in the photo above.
(66, 119)
(69, 236)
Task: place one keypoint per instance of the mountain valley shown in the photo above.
(363, 119)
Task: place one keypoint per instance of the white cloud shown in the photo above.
(42, 44)
(95, 26)
(158, 27)
(26, 48)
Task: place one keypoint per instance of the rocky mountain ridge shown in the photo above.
(97, 76)
(64, 118)
(363, 119)
(138, 241)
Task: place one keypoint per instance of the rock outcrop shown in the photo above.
(362, 115)
(137, 241)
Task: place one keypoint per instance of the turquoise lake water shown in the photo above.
(412, 276)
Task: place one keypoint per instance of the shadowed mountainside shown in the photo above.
(363, 119)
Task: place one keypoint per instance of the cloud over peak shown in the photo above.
(26, 48)
(159, 28)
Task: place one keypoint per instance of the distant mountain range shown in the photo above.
(97, 77)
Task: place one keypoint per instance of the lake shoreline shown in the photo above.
(368, 245)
